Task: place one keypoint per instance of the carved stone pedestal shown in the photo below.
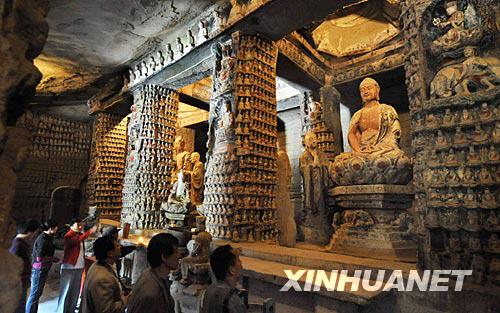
(374, 223)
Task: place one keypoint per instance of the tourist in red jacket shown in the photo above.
(72, 267)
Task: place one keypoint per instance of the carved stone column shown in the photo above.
(151, 133)
(107, 168)
(242, 146)
(455, 134)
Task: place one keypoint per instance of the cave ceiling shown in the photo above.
(89, 40)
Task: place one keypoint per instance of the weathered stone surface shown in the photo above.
(287, 230)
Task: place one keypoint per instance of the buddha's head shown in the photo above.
(310, 140)
(369, 90)
(179, 143)
(195, 157)
(469, 51)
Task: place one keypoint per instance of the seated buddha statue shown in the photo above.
(374, 133)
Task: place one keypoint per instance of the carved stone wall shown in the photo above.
(59, 156)
(151, 133)
(455, 138)
(107, 165)
(242, 146)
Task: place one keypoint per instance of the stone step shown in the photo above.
(274, 273)
(311, 257)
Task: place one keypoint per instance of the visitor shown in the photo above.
(102, 292)
(151, 293)
(42, 258)
(21, 246)
(223, 296)
(72, 267)
(125, 250)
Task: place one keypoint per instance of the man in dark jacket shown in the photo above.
(102, 292)
(21, 246)
(151, 293)
(72, 267)
(223, 296)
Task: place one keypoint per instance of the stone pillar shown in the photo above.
(107, 168)
(455, 136)
(151, 133)
(242, 146)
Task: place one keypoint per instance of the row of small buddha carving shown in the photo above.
(455, 159)
(248, 45)
(256, 69)
(251, 200)
(118, 151)
(111, 141)
(115, 177)
(252, 110)
(263, 191)
(256, 130)
(43, 143)
(457, 243)
(249, 176)
(251, 77)
(58, 133)
(250, 80)
(477, 135)
(162, 59)
(470, 220)
(227, 209)
(484, 113)
(463, 177)
(105, 186)
(484, 199)
(256, 91)
(157, 119)
(253, 54)
(248, 235)
(253, 104)
(266, 218)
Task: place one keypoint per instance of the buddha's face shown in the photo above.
(369, 92)
(195, 157)
(310, 140)
(451, 8)
(469, 52)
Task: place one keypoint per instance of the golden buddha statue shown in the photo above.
(374, 134)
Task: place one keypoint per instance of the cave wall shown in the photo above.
(59, 156)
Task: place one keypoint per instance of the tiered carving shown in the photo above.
(59, 156)
(107, 165)
(149, 163)
(242, 146)
(374, 133)
(455, 136)
(315, 122)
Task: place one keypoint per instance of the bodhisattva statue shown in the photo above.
(286, 212)
(374, 134)
(181, 158)
(315, 178)
(197, 179)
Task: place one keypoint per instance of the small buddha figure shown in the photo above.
(485, 112)
(473, 158)
(432, 219)
(431, 121)
(451, 158)
(494, 244)
(459, 138)
(195, 267)
(374, 134)
(441, 140)
(448, 118)
(470, 200)
(488, 200)
(180, 46)
(492, 221)
(434, 159)
(453, 201)
(314, 108)
(479, 135)
(469, 178)
(467, 117)
(493, 156)
(472, 221)
(496, 133)
(485, 176)
(454, 242)
(474, 244)
(202, 32)
(170, 53)
(452, 178)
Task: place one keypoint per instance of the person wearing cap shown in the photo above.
(124, 250)
(102, 292)
(223, 295)
(151, 293)
(72, 267)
